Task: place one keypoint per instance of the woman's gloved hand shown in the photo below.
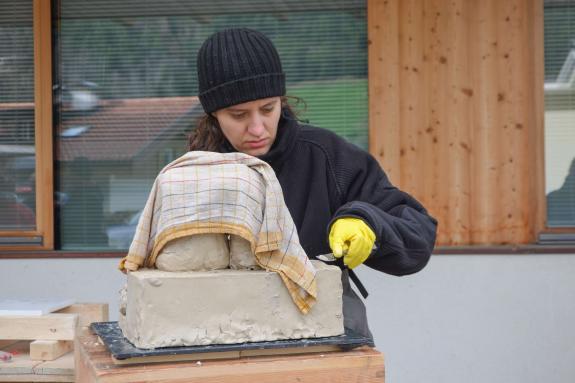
(351, 239)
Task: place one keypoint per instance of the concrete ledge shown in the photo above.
(226, 306)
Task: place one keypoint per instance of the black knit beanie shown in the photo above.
(238, 65)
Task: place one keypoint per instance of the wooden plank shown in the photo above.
(526, 218)
(23, 369)
(20, 363)
(37, 378)
(483, 63)
(49, 349)
(290, 351)
(460, 99)
(225, 355)
(32, 307)
(15, 233)
(43, 122)
(439, 64)
(94, 364)
(178, 358)
(82, 365)
(535, 34)
(64, 365)
(87, 312)
(410, 76)
(432, 139)
(517, 115)
(384, 86)
(48, 327)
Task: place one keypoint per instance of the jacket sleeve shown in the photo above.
(405, 232)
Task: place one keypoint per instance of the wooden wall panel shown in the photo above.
(456, 112)
(383, 43)
(483, 67)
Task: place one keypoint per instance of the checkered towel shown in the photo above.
(206, 192)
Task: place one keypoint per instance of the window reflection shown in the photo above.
(125, 85)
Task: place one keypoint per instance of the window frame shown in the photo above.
(546, 235)
(44, 171)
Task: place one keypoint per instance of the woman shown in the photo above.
(330, 186)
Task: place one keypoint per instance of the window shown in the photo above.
(17, 146)
(25, 141)
(560, 112)
(124, 96)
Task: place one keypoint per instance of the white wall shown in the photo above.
(486, 318)
(479, 318)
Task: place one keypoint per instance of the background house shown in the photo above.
(108, 158)
(466, 104)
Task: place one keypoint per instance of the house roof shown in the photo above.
(118, 129)
(122, 129)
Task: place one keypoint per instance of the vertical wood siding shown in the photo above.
(456, 118)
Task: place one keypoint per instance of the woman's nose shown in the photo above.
(256, 126)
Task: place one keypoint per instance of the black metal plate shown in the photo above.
(121, 348)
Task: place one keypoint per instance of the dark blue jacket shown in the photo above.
(324, 177)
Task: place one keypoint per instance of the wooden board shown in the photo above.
(49, 327)
(23, 369)
(87, 312)
(49, 349)
(94, 364)
(123, 352)
(32, 307)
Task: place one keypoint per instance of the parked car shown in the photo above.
(120, 236)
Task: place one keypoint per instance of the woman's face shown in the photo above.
(251, 127)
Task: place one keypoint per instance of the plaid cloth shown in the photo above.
(206, 192)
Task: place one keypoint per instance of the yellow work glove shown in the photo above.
(351, 239)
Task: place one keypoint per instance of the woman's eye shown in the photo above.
(238, 116)
(268, 110)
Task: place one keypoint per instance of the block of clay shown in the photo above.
(226, 306)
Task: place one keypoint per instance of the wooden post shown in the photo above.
(49, 349)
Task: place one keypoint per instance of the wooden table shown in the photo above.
(23, 369)
(41, 344)
(94, 364)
